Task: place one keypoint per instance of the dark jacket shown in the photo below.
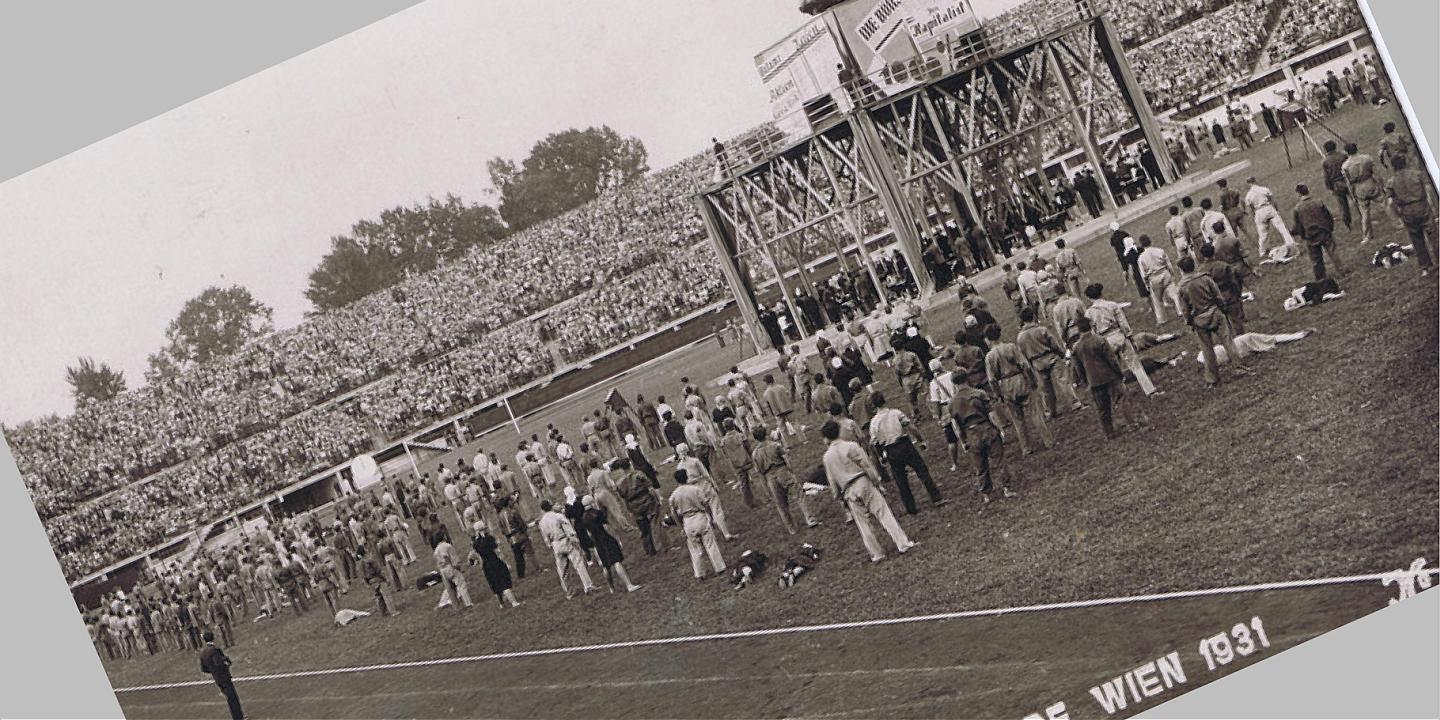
(1096, 364)
(214, 662)
(1312, 220)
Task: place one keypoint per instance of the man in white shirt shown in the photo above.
(701, 478)
(852, 480)
(1210, 218)
(890, 432)
(692, 506)
(1108, 321)
(942, 390)
(1262, 203)
(1029, 287)
(559, 535)
(1158, 271)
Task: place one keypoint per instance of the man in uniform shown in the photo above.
(1203, 307)
(1359, 172)
(1194, 223)
(1335, 180)
(1313, 222)
(1156, 268)
(971, 411)
(1232, 206)
(1097, 367)
(1067, 266)
(1013, 378)
(1392, 145)
(780, 403)
(1229, 284)
(852, 480)
(911, 376)
(773, 466)
(1409, 199)
(1045, 353)
(692, 506)
(214, 663)
(1176, 230)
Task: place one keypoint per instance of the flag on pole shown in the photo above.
(616, 401)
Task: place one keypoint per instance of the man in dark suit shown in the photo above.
(214, 662)
(1097, 367)
(1312, 221)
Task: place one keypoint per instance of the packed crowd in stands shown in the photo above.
(505, 359)
(1203, 57)
(627, 263)
(643, 302)
(1307, 24)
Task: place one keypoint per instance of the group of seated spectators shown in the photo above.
(1205, 56)
(186, 496)
(683, 283)
(1307, 24)
(1182, 50)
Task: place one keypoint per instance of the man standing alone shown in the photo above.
(214, 662)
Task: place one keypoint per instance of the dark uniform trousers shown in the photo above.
(900, 455)
(987, 451)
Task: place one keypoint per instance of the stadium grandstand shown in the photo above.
(118, 478)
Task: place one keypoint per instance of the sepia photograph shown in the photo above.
(1040, 359)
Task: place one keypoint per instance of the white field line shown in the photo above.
(468, 689)
(799, 629)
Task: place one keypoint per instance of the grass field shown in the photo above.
(1321, 463)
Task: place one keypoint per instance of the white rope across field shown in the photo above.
(767, 632)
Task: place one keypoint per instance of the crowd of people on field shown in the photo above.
(618, 267)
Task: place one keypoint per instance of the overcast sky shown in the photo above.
(247, 185)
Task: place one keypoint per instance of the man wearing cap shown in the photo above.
(214, 663)
(891, 433)
(852, 480)
(1262, 204)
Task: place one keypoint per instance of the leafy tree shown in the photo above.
(377, 254)
(213, 324)
(91, 381)
(563, 171)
